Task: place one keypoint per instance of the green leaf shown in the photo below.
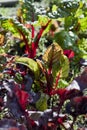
(70, 23)
(62, 83)
(52, 54)
(63, 9)
(82, 46)
(41, 104)
(18, 78)
(30, 63)
(54, 57)
(15, 27)
(65, 39)
(62, 67)
(64, 63)
(83, 23)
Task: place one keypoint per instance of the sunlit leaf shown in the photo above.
(83, 48)
(55, 59)
(40, 65)
(83, 25)
(62, 66)
(52, 54)
(14, 26)
(30, 63)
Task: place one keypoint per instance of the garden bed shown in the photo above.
(43, 67)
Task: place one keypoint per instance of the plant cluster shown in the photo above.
(43, 73)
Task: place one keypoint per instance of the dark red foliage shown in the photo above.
(1, 103)
(10, 124)
(23, 98)
(60, 120)
(65, 94)
(82, 80)
(79, 104)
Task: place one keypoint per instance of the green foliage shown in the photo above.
(18, 78)
(82, 45)
(64, 9)
(30, 63)
(54, 57)
(54, 65)
(52, 54)
(71, 16)
(14, 26)
(30, 10)
(43, 34)
(62, 83)
(41, 104)
(67, 39)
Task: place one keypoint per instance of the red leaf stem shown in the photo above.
(33, 30)
(40, 33)
(27, 51)
(36, 41)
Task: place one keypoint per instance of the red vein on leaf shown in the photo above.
(57, 80)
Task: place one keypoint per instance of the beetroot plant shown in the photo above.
(43, 73)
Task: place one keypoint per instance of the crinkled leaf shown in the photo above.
(71, 23)
(18, 77)
(3, 59)
(64, 9)
(40, 65)
(64, 63)
(83, 25)
(65, 39)
(83, 48)
(14, 26)
(30, 63)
